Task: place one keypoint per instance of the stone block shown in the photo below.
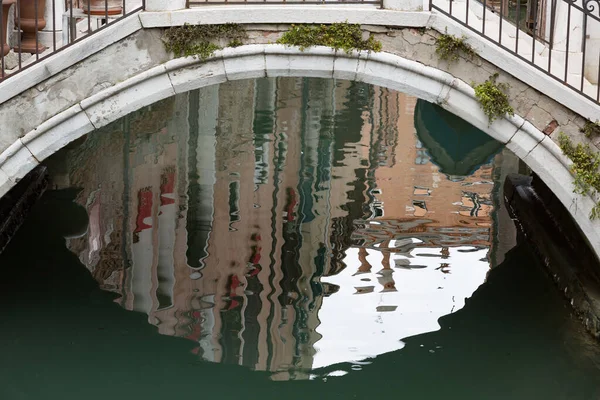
(244, 62)
(345, 66)
(525, 140)
(374, 72)
(17, 161)
(118, 101)
(57, 132)
(277, 60)
(317, 64)
(190, 74)
(5, 183)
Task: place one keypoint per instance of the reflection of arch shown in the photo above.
(454, 145)
(180, 75)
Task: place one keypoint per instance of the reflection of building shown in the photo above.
(411, 197)
(221, 209)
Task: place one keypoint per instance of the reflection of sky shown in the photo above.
(353, 329)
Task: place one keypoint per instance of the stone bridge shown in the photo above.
(126, 67)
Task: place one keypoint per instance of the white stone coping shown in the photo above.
(367, 14)
(252, 61)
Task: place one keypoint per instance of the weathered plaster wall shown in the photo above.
(119, 61)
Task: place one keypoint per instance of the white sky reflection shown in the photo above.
(353, 329)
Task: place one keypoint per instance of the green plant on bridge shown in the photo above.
(584, 168)
(449, 47)
(341, 35)
(235, 43)
(493, 99)
(590, 129)
(199, 40)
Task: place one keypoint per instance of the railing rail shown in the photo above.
(560, 38)
(41, 28)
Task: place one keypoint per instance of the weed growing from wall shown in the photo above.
(449, 47)
(200, 40)
(584, 168)
(591, 129)
(493, 99)
(235, 43)
(341, 35)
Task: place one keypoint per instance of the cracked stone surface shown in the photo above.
(527, 102)
(136, 53)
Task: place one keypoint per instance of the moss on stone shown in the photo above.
(235, 43)
(590, 129)
(584, 168)
(341, 35)
(493, 99)
(200, 40)
(449, 47)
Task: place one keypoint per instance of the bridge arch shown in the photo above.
(180, 75)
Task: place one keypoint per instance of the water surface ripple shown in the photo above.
(341, 235)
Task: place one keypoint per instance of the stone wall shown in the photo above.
(144, 49)
(543, 112)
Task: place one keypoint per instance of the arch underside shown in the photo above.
(537, 150)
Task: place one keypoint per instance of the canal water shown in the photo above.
(284, 238)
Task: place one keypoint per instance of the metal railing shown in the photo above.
(33, 30)
(198, 3)
(560, 38)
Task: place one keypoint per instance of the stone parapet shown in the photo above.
(165, 5)
(404, 5)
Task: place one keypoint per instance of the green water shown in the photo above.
(290, 238)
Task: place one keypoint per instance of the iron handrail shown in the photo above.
(101, 13)
(548, 54)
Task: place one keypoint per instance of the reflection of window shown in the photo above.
(377, 209)
(421, 191)
(420, 208)
(475, 205)
(422, 157)
(261, 159)
(234, 206)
